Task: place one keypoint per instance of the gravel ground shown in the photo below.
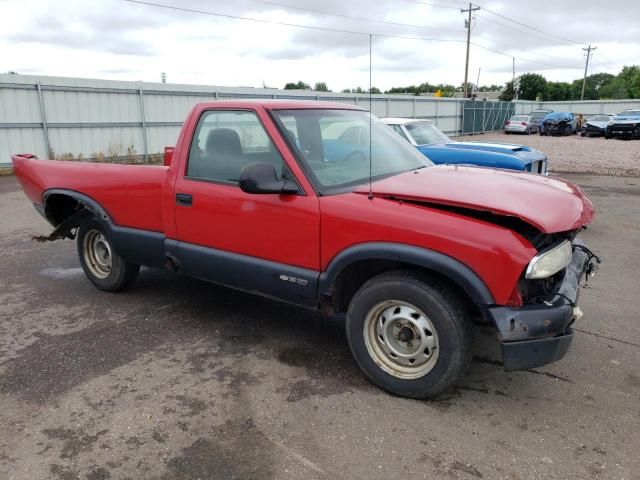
(177, 379)
(576, 154)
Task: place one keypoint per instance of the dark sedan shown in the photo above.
(596, 125)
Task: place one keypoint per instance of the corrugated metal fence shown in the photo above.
(84, 118)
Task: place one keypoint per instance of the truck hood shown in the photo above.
(597, 123)
(551, 205)
(622, 116)
(631, 119)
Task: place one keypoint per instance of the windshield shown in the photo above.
(334, 146)
(630, 113)
(599, 118)
(424, 133)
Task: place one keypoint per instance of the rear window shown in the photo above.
(539, 115)
(520, 118)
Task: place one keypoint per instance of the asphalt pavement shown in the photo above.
(179, 379)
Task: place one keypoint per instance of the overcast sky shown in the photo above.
(116, 39)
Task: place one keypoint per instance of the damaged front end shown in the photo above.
(539, 332)
(561, 127)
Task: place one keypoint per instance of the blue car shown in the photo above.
(439, 148)
(559, 123)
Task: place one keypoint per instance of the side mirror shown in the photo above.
(262, 178)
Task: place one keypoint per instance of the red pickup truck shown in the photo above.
(276, 198)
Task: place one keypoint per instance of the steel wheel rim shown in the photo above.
(97, 254)
(401, 339)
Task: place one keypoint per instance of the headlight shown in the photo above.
(550, 261)
(610, 122)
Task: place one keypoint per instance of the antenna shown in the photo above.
(370, 121)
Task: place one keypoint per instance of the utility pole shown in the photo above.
(589, 49)
(467, 23)
(513, 79)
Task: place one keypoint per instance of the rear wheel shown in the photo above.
(101, 264)
(410, 336)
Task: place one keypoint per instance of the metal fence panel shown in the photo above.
(481, 116)
(85, 117)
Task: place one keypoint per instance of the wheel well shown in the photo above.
(59, 207)
(353, 276)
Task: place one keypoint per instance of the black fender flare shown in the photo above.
(135, 245)
(453, 269)
(88, 202)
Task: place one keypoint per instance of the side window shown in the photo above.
(225, 141)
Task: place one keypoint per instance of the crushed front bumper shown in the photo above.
(535, 335)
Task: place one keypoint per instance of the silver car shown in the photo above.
(521, 124)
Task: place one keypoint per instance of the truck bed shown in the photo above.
(130, 194)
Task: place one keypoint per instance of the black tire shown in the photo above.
(447, 316)
(120, 274)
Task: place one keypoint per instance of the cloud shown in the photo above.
(122, 40)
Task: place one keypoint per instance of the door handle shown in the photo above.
(184, 199)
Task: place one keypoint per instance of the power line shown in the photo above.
(288, 24)
(461, 3)
(525, 59)
(432, 4)
(336, 30)
(351, 17)
(522, 49)
(398, 24)
(519, 30)
(530, 27)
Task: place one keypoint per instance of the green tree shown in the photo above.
(532, 86)
(558, 91)
(489, 88)
(628, 73)
(631, 77)
(446, 89)
(321, 87)
(634, 87)
(507, 93)
(375, 90)
(300, 85)
(616, 89)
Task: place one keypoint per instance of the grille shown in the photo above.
(623, 128)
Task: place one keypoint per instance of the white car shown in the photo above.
(521, 124)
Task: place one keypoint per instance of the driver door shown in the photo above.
(266, 243)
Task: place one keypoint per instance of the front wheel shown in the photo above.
(101, 264)
(409, 335)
